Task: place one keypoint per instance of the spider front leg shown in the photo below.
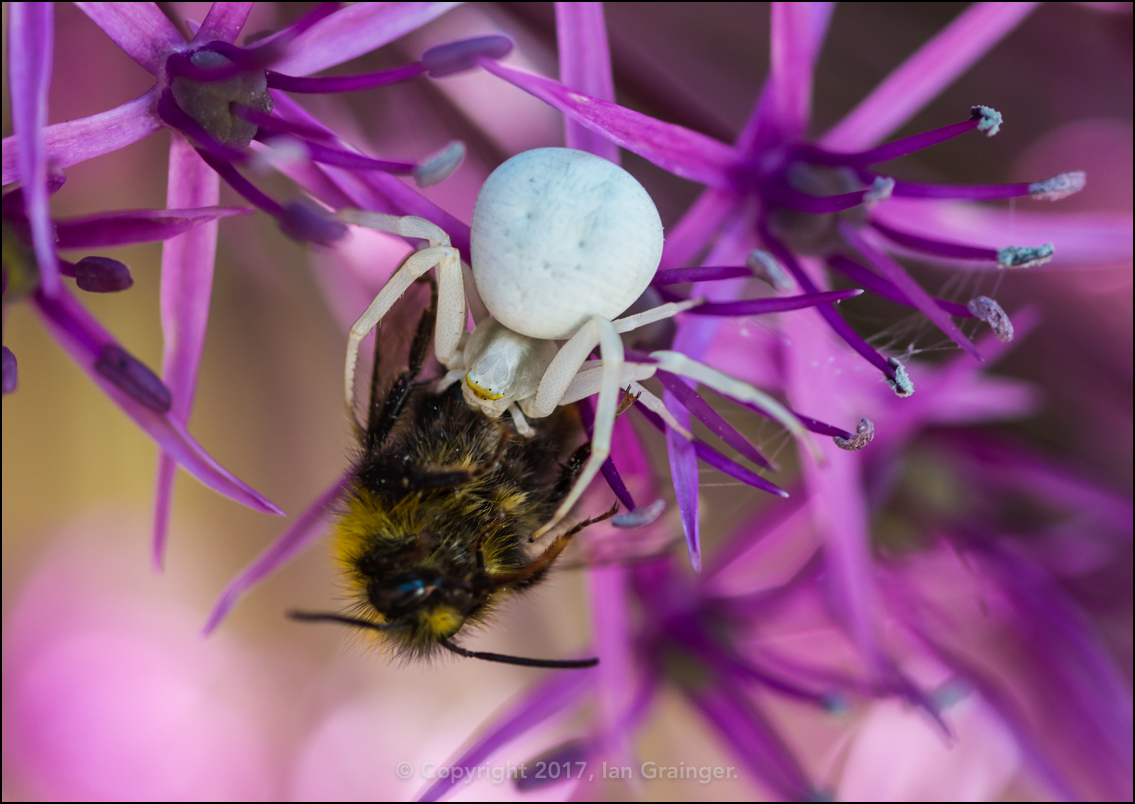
(451, 294)
(562, 370)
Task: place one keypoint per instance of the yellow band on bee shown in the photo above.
(481, 392)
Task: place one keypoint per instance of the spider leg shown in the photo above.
(557, 379)
(678, 363)
(588, 380)
(451, 299)
(663, 311)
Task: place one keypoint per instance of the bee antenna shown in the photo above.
(558, 664)
(327, 617)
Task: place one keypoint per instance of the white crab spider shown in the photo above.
(562, 242)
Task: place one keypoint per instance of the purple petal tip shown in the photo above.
(11, 377)
(133, 378)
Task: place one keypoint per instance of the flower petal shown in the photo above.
(835, 490)
(585, 66)
(684, 474)
(223, 22)
(137, 225)
(753, 739)
(30, 46)
(679, 150)
(790, 71)
(920, 78)
(548, 698)
(187, 283)
(84, 339)
(79, 140)
(306, 529)
(353, 31)
(140, 29)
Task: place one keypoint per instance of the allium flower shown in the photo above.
(216, 95)
(33, 272)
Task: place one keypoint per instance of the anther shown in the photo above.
(440, 165)
(880, 191)
(990, 119)
(11, 377)
(307, 223)
(102, 275)
(640, 517)
(1024, 256)
(991, 313)
(133, 378)
(1059, 186)
(901, 383)
(765, 267)
(864, 431)
(456, 57)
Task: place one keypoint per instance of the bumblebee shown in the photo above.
(434, 532)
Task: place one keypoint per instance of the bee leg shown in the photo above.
(384, 413)
(540, 565)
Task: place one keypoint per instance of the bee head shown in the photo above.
(429, 603)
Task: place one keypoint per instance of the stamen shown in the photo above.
(678, 276)
(640, 517)
(991, 313)
(989, 120)
(242, 185)
(133, 378)
(981, 117)
(1059, 186)
(881, 287)
(102, 275)
(765, 267)
(1024, 256)
(778, 304)
(864, 432)
(941, 248)
(344, 83)
(11, 375)
(835, 321)
(351, 161)
(440, 164)
(901, 382)
(456, 57)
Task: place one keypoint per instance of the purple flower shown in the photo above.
(216, 97)
(944, 613)
(34, 273)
